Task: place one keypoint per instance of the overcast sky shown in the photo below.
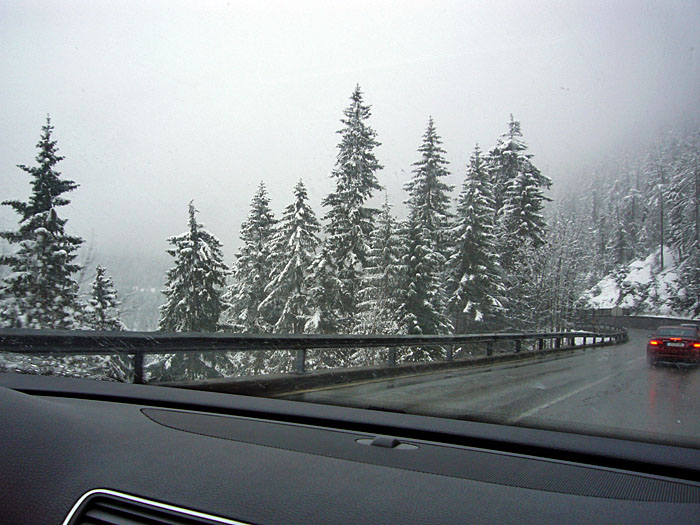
(157, 103)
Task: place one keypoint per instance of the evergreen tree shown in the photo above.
(193, 287)
(683, 196)
(475, 280)
(519, 195)
(102, 310)
(631, 223)
(102, 313)
(40, 291)
(323, 295)
(349, 221)
(620, 241)
(424, 302)
(508, 160)
(687, 297)
(554, 274)
(194, 299)
(252, 270)
(295, 244)
(380, 293)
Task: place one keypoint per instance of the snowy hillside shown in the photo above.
(642, 286)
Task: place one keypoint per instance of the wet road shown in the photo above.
(609, 390)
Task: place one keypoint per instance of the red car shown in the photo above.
(674, 344)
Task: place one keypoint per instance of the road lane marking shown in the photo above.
(559, 399)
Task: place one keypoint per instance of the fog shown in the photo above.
(158, 103)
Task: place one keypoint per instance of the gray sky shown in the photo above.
(157, 103)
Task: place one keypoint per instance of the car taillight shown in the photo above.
(696, 345)
(654, 342)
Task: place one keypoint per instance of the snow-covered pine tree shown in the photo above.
(520, 198)
(324, 291)
(630, 218)
(475, 278)
(424, 300)
(508, 159)
(40, 291)
(102, 309)
(683, 196)
(102, 313)
(323, 295)
(687, 296)
(620, 238)
(349, 221)
(656, 174)
(554, 275)
(193, 287)
(380, 294)
(252, 270)
(295, 243)
(194, 298)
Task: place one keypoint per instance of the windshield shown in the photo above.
(444, 208)
(677, 332)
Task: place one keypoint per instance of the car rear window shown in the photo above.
(677, 332)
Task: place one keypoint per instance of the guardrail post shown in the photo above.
(557, 342)
(391, 361)
(137, 363)
(450, 351)
(540, 344)
(489, 348)
(518, 345)
(300, 361)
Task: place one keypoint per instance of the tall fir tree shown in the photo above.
(519, 195)
(553, 275)
(194, 285)
(475, 282)
(252, 269)
(424, 301)
(380, 296)
(295, 244)
(40, 291)
(194, 299)
(687, 294)
(508, 159)
(683, 196)
(349, 220)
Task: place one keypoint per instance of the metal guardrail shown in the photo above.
(140, 344)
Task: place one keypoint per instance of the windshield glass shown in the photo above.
(458, 209)
(677, 332)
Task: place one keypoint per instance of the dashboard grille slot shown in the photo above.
(103, 507)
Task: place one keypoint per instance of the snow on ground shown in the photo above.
(642, 285)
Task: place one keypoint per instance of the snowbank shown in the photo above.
(642, 286)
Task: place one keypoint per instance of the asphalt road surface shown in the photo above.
(609, 390)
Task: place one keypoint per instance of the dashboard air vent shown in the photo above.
(107, 507)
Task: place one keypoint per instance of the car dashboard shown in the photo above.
(218, 458)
